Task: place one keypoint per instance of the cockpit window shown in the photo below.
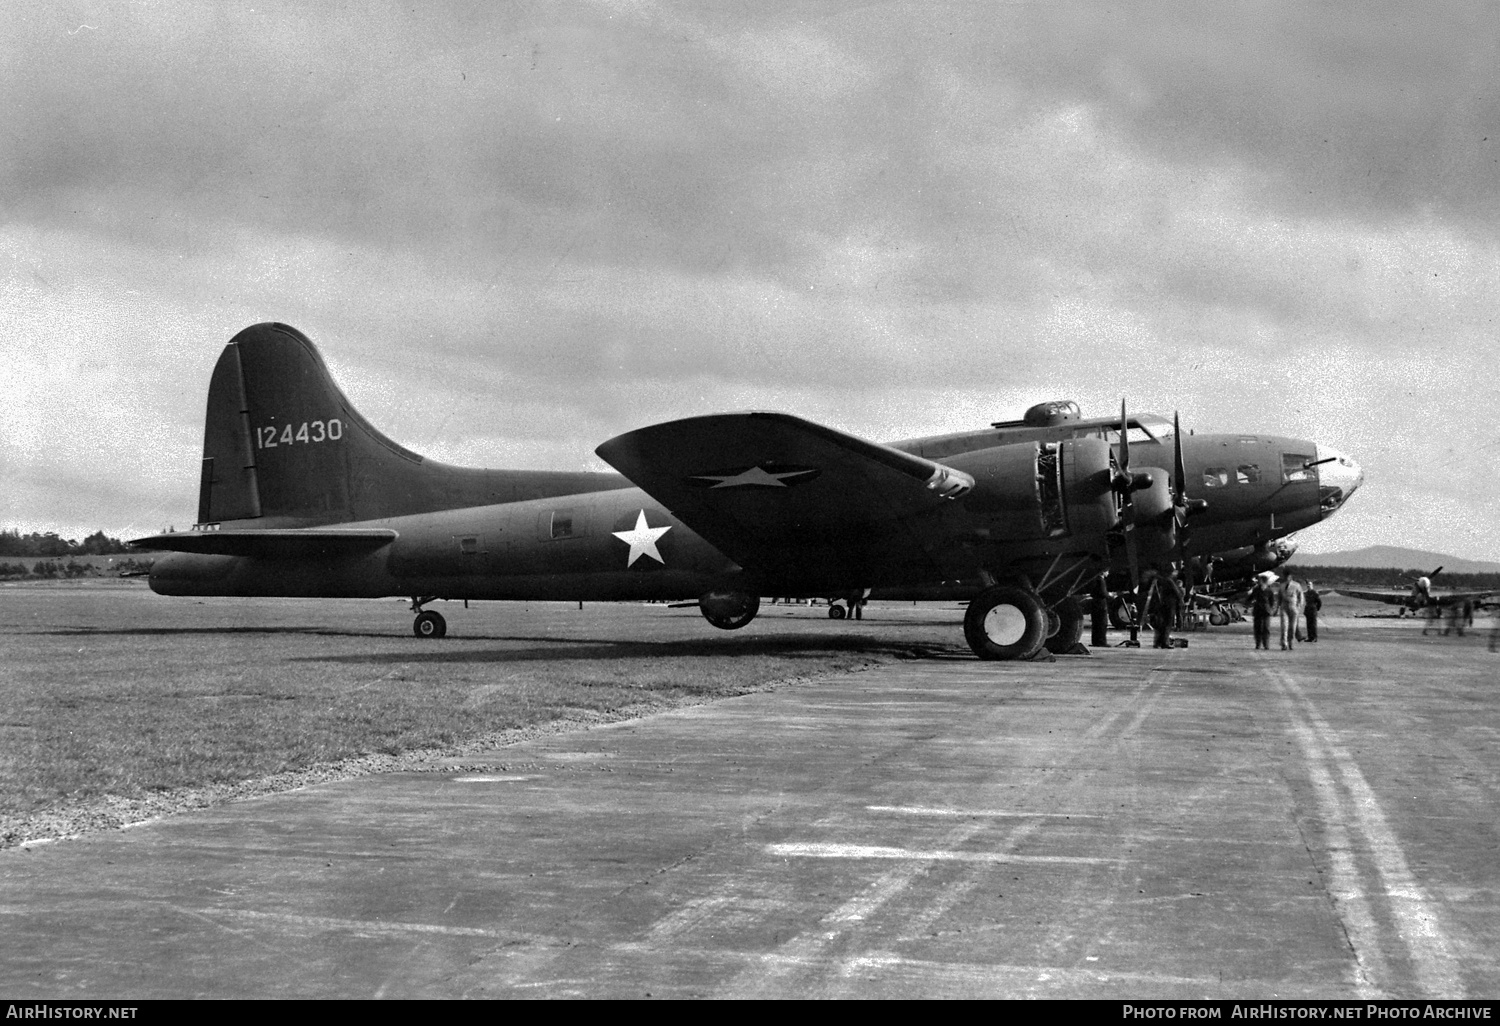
(1215, 477)
(1159, 428)
(1147, 427)
(1294, 467)
(1136, 433)
(1247, 473)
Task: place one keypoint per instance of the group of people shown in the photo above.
(1289, 600)
(1460, 615)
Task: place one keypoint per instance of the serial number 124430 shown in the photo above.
(311, 431)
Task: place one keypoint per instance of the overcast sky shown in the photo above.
(517, 230)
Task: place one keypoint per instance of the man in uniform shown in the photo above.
(1312, 602)
(1164, 601)
(1291, 611)
(1264, 600)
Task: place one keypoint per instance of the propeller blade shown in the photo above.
(1135, 584)
(1179, 468)
(1124, 440)
(1133, 557)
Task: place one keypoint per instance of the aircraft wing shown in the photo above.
(1389, 597)
(1450, 598)
(784, 496)
(1447, 598)
(290, 543)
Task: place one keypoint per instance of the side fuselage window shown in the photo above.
(1215, 477)
(1247, 473)
(1294, 467)
(562, 524)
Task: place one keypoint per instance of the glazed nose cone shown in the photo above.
(1337, 479)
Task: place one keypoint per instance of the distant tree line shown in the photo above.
(1389, 577)
(61, 556)
(14, 543)
(53, 569)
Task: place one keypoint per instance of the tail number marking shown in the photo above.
(310, 431)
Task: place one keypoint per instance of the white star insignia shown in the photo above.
(642, 540)
(755, 476)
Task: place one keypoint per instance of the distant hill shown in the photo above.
(1377, 557)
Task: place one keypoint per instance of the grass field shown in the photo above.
(109, 690)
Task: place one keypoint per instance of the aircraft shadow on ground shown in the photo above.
(85, 632)
(564, 649)
(547, 648)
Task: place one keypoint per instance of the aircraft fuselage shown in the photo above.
(598, 546)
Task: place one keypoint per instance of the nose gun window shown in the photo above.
(1294, 467)
(1215, 477)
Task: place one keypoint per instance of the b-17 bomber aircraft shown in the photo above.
(299, 495)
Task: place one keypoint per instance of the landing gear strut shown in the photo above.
(1069, 634)
(429, 623)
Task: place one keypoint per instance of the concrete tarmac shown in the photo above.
(1203, 823)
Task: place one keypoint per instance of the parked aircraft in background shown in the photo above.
(1420, 596)
(299, 495)
(1224, 579)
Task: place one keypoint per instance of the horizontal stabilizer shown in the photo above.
(313, 543)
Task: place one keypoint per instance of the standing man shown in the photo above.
(1312, 602)
(1164, 602)
(1291, 611)
(1264, 600)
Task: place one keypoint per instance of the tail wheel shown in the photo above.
(1121, 612)
(1069, 613)
(836, 612)
(1218, 618)
(429, 624)
(1006, 622)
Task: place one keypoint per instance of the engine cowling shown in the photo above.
(1035, 491)
(1155, 517)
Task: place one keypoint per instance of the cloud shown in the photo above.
(518, 230)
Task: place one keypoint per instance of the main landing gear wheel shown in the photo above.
(429, 624)
(1069, 634)
(1006, 622)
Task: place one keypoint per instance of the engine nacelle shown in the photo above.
(1034, 491)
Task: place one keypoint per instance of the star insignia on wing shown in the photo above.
(769, 476)
(642, 540)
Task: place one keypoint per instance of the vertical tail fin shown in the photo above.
(281, 442)
(282, 447)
